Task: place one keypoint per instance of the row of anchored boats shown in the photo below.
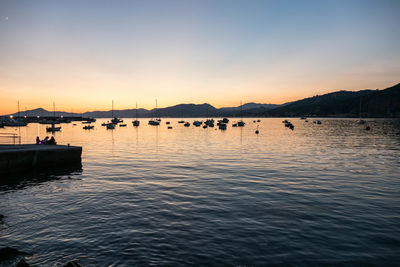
(222, 124)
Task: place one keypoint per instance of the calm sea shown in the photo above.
(324, 194)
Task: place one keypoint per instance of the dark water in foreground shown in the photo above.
(318, 195)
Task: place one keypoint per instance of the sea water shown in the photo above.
(324, 194)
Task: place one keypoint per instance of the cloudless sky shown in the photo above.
(82, 53)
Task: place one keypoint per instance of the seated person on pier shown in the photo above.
(45, 140)
(52, 141)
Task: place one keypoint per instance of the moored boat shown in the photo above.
(53, 128)
(110, 126)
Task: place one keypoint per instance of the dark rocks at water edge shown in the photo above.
(12, 257)
(72, 264)
(1, 218)
(8, 253)
(22, 263)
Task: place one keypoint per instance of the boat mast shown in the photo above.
(54, 109)
(241, 109)
(112, 109)
(156, 110)
(360, 107)
(18, 108)
(136, 110)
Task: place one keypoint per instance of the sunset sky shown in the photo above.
(82, 54)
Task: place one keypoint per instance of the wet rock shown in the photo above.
(1, 218)
(72, 264)
(22, 263)
(8, 253)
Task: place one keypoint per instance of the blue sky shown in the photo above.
(85, 53)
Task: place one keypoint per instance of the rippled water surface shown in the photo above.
(321, 194)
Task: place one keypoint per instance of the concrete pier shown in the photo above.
(19, 158)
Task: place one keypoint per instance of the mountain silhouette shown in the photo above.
(373, 103)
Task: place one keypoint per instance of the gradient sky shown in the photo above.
(82, 54)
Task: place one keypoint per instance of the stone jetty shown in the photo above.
(19, 158)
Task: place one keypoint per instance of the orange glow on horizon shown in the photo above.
(102, 102)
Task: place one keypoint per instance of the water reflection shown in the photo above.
(35, 177)
(317, 195)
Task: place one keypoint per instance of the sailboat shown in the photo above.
(136, 123)
(14, 122)
(209, 122)
(155, 122)
(181, 121)
(110, 126)
(53, 128)
(241, 122)
(361, 121)
(114, 120)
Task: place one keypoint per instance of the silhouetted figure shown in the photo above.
(52, 141)
(45, 140)
(37, 140)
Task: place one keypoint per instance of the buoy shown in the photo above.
(257, 131)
